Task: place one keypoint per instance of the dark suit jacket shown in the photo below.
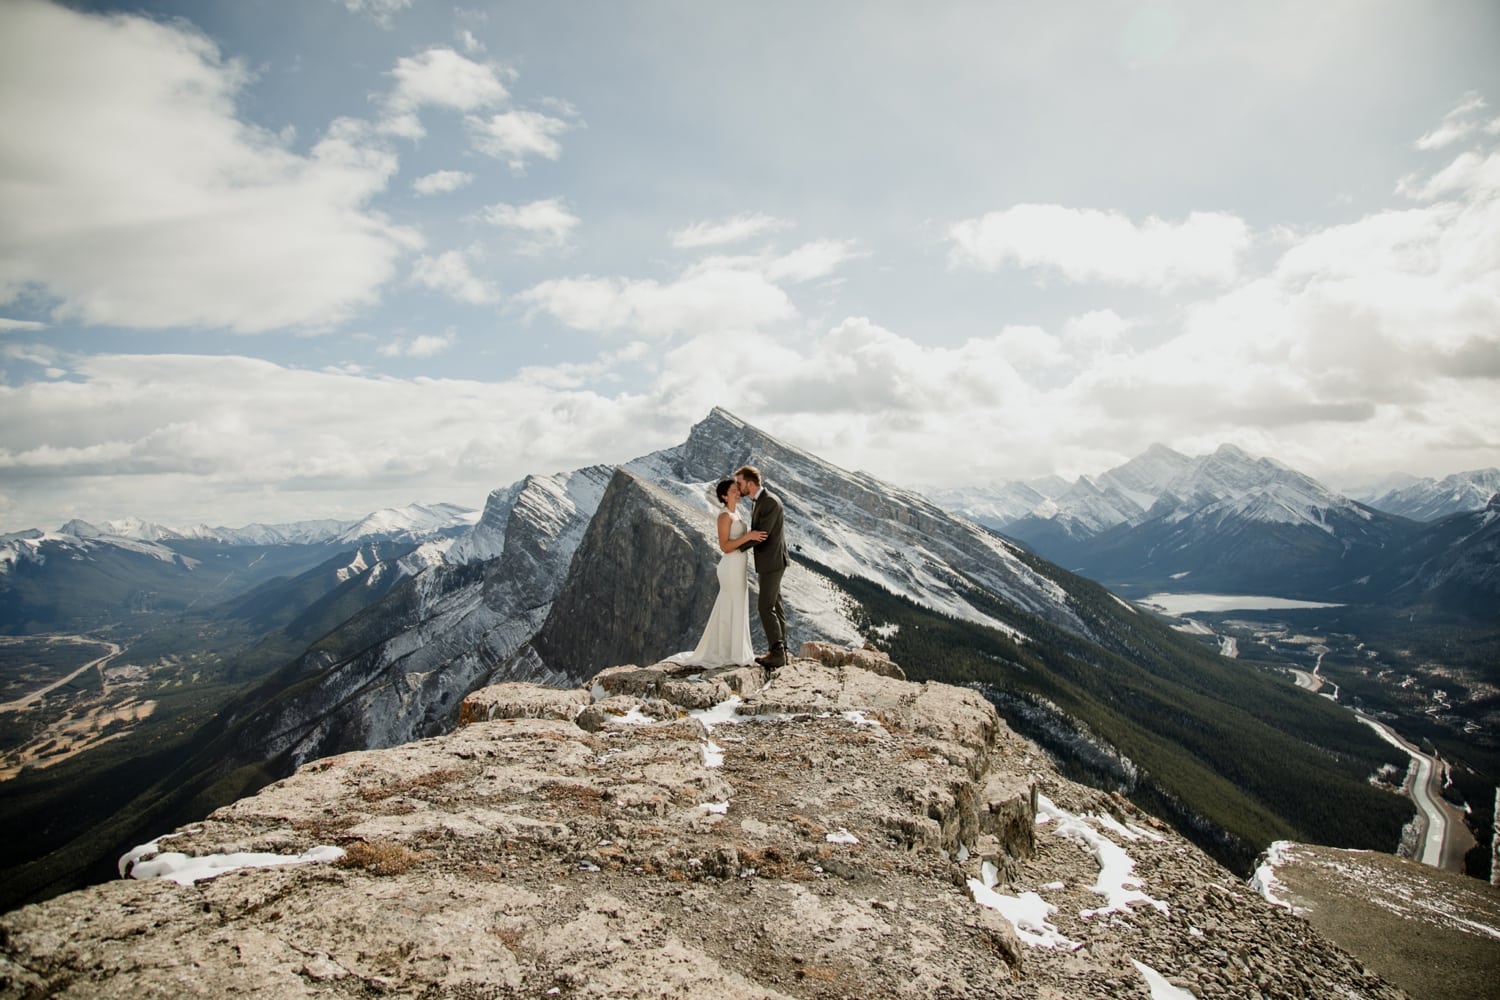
(770, 555)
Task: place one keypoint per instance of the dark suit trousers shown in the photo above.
(772, 618)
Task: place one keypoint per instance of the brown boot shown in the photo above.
(775, 658)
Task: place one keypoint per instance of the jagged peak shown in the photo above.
(721, 415)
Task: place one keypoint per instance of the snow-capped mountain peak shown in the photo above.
(860, 526)
(413, 522)
(1431, 499)
(135, 528)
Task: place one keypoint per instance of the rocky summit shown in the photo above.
(830, 830)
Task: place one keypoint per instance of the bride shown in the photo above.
(726, 639)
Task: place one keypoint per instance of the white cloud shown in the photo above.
(709, 300)
(721, 231)
(1470, 172)
(1364, 340)
(379, 11)
(441, 182)
(449, 272)
(442, 78)
(147, 433)
(580, 375)
(1085, 245)
(423, 346)
(546, 224)
(516, 136)
(1456, 125)
(817, 259)
(1095, 331)
(471, 44)
(1027, 346)
(20, 324)
(37, 354)
(147, 203)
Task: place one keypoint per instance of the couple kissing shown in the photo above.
(726, 638)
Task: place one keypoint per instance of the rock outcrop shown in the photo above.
(823, 832)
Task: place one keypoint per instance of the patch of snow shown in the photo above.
(713, 754)
(715, 808)
(841, 836)
(1264, 879)
(1028, 913)
(1160, 988)
(355, 568)
(185, 870)
(860, 719)
(1114, 825)
(1115, 882)
(725, 711)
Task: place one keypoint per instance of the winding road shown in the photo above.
(1446, 839)
(26, 701)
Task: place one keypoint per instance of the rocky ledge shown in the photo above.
(830, 831)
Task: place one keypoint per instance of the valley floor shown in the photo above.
(1445, 838)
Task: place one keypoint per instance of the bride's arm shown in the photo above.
(727, 544)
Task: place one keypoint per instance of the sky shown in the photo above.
(296, 259)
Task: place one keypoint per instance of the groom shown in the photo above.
(770, 562)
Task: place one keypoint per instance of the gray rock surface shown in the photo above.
(814, 835)
(622, 606)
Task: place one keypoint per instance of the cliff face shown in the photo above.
(835, 832)
(643, 577)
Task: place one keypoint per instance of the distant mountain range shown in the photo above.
(416, 522)
(84, 575)
(1230, 521)
(1431, 499)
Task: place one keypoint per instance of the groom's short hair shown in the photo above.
(749, 472)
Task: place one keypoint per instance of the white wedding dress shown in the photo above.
(726, 638)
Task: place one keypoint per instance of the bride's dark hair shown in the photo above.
(723, 489)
